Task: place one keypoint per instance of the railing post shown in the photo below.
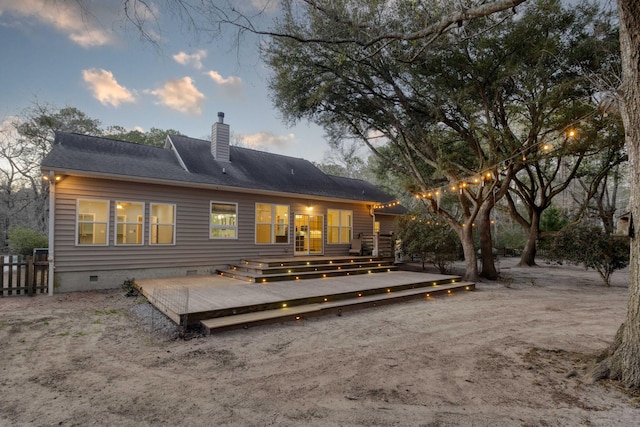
(376, 244)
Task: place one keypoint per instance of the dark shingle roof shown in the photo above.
(247, 169)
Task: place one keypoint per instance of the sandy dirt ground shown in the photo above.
(513, 353)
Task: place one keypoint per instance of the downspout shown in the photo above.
(376, 236)
(52, 217)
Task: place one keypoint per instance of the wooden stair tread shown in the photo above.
(261, 316)
(305, 273)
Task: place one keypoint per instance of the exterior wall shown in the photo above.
(99, 267)
(387, 223)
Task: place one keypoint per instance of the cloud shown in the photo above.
(194, 59)
(232, 84)
(265, 140)
(181, 95)
(70, 18)
(269, 6)
(105, 87)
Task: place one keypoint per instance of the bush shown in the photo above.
(426, 237)
(22, 241)
(590, 246)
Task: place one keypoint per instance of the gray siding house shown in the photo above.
(121, 210)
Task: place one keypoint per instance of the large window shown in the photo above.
(162, 224)
(224, 223)
(92, 222)
(129, 223)
(339, 226)
(272, 223)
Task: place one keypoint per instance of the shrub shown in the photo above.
(429, 239)
(22, 241)
(590, 246)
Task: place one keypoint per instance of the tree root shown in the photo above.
(608, 364)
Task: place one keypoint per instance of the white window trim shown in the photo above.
(126, 223)
(151, 224)
(340, 227)
(106, 243)
(272, 224)
(220, 227)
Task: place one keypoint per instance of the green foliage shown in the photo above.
(512, 237)
(590, 246)
(22, 241)
(154, 136)
(129, 285)
(553, 219)
(450, 107)
(429, 239)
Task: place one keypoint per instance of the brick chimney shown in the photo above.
(220, 139)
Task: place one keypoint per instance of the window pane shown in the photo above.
(263, 233)
(130, 210)
(223, 233)
(100, 238)
(334, 235)
(98, 208)
(129, 234)
(263, 213)
(282, 224)
(162, 234)
(332, 218)
(282, 214)
(223, 214)
(346, 235)
(345, 218)
(163, 213)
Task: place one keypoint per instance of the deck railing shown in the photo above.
(23, 275)
(386, 243)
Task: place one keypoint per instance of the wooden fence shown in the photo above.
(23, 275)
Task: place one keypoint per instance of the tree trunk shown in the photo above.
(486, 247)
(469, 250)
(622, 360)
(528, 257)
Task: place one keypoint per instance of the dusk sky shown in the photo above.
(54, 54)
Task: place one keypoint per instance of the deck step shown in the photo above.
(245, 320)
(304, 267)
(261, 277)
(273, 270)
(313, 260)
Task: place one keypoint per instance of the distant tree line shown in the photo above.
(24, 141)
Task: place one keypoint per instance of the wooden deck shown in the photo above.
(227, 302)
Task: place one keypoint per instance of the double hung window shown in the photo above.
(92, 222)
(339, 226)
(129, 223)
(272, 223)
(224, 221)
(162, 224)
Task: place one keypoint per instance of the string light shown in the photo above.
(387, 205)
(491, 173)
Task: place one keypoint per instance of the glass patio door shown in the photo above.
(309, 235)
